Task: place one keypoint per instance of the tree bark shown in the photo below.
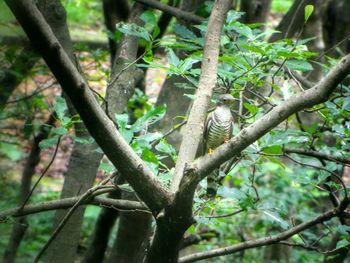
(336, 25)
(96, 251)
(174, 220)
(256, 11)
(132, 236)
(173, 96)
(114, 12)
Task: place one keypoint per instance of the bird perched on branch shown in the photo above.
(218, 130)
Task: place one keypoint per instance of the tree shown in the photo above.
(269, 143)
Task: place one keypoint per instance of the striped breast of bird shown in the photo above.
(220, 127)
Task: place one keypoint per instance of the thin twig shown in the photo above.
(70, 212)
(125, 68)
(43, 173)
(169, 132)
(25, 97)
(226, 215)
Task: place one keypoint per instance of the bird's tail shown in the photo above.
(212, 183)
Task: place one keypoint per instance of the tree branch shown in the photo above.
(195, 124)
(178, 13)
(140, 177)
(261, 241)
(69, 202)
(316, 154)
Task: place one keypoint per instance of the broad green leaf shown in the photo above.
(299, 65)
(106, 167)
(276, 149)
(343, 243)
(152, 116)
(122, 120)
(276, 161)
(346, 103)
(124, 127)
(251, 108)
(165, 147)
(242, 29)
(149, 18)
(84, 140)
(133, 30)
(50, 142)
(60, 107)
(149, 137)
(126, 187)
(233, 16)
(172, 58)
(308, 11)
(182, 31)
(60, 131)
(148, 156)
(343, 229)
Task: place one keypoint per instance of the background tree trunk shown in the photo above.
(84, 160)
(256, 11)
(33, 160)
(336, 25)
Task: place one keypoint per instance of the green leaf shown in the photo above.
(122, 120)
(251, 108)
(106, 167)
(276, 149)
(50, 142)
(84, 140)
(343, 229)
(124, 128)
(242, 29)
(308, 11)
(148, 156)
(182, 31)
(152, 116)
(150, 137)
(172, 58)
(60, 107)
(133, 30)
(346, 103)
(165, 147)
(233, 16)
(60, 131)
(149, 18)
(300, 65)
(126, 187)
(342, 243)
(276, 161)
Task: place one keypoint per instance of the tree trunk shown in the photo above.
(118, 94)
(336, 25)
(132, 237)
(20, 225)
(84, 160)
(256, 11)
(114, 12)
(104, 225)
